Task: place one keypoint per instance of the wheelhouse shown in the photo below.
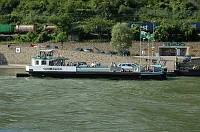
(46, 58)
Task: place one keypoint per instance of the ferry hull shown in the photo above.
(187, 72)
(94, 75)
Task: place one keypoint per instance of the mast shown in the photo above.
(152, 48)
(148, 53)
(140, 45)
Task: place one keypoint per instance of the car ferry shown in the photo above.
(45, 64)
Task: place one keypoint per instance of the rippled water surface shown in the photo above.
(93, 105)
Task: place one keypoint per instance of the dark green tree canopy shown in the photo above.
(128, 10)
(99, 26)
(103, 14)
(180, 32)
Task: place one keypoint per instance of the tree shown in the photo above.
(63, 22)
(43, 37)
(189, 32)
(7, 6)
(32, 36)
(121, 37)
(136, 32)
(61, 37)
(17, 38)
(98, 16)
(178, 32)
(99, 26)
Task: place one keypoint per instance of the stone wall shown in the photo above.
(8, 54)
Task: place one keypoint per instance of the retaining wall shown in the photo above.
(8, 54)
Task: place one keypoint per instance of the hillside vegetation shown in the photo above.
(94, 19)
(43, 11)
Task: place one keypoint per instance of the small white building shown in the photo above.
(173, 49)
(173, 52)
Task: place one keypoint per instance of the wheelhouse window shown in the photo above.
(51, 63)
(37, 62)
(44, 62)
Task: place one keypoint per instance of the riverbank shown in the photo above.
(12, 66)
(19, 55)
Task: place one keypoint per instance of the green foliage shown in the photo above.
(17, 38)
(137, 10)
(7, 6)
(63, 22)
(31, 36)
(124, 9)
(136, 32)
(175, 32)
(61, 37)
(121, 37)
(99, 26)
(98, 16)
(43, 37)
(21, 38)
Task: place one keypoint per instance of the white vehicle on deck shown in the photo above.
(83, 64)
(128, 67)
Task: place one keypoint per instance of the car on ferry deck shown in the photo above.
(83, 64)
(127, 66)
(187, 58)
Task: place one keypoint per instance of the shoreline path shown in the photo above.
(13, 66)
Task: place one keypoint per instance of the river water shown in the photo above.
(98, 105)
